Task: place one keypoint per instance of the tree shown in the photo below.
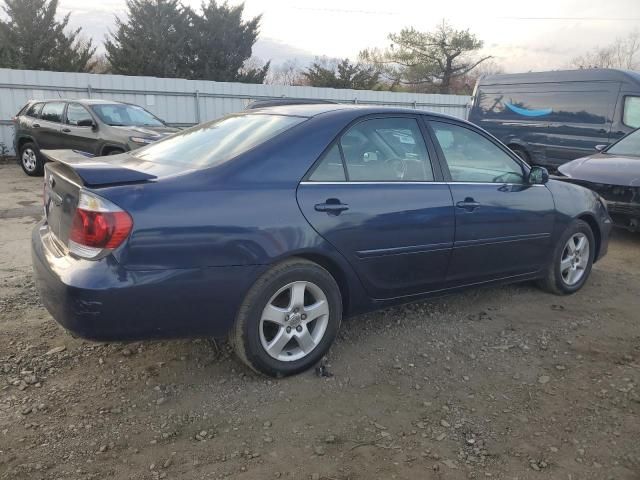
(223, 42)
(342, 74)
(288, 73)
(432, 59)
(32, 38)
(162, 38)
(624, 53)
(153, 41)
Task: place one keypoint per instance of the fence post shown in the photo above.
(88, 90)
(197, 100)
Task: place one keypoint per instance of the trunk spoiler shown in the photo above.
(96, 171)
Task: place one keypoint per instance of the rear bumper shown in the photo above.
(101, 300)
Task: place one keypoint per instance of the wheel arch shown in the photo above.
(22, 139)
(590, 220)
(336, 271)
(109, 147)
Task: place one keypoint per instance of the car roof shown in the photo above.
(313, 110)
(85, 101)
(582, 75)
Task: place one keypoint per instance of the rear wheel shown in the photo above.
(31, 160)
(288, 319)
(572, 260)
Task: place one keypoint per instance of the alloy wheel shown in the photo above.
(574, 259)
(29, 160)
(294, 321)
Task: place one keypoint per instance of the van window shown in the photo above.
(593, 107)
(631, 112)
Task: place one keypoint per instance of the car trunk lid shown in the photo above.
(68, 173)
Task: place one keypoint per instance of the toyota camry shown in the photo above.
(271, 225)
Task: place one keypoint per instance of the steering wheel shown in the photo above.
(398, 166)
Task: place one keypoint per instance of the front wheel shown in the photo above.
(289, 319)
(572, 260)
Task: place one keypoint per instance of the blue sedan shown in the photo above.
(271, 225)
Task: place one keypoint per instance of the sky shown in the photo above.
(521, 35)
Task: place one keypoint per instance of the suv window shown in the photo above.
(77, 113)
(52, 112)
(631, 115)
(474, 158)
(386, 149)
(34, 110)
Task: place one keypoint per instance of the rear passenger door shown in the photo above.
(377, 197)
(49, 135)
(503, 224)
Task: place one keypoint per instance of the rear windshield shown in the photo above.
(216, 142)
(629, 145)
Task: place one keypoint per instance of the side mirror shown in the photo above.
(600, 148)
(538, 176)
(87, 123)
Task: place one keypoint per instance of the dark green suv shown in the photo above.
(98, 127)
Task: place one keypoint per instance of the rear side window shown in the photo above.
(34, 110)
(330, 168)
(52, 112)
(216, 142)
(631, 115)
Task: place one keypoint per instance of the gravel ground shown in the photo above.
(506, 383)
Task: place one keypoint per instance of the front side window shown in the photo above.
(631, 112)
(386, 149)
(34, 110)
(52, 112)
(121, 115)
(78, 115)
(474, 158)
(215, 142)
(629, 145)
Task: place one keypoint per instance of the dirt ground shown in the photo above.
(505, 383)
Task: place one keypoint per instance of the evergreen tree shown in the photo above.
(154, 40)
(222, 43)
(32, 38)
(342, 74)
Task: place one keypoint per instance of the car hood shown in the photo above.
(162, 131)
(604, 168)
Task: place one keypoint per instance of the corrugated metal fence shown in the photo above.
(187, 102)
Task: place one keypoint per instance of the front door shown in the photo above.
(373, 196)
(503, 224)
(77, 132)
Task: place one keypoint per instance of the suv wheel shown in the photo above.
(31, 160)
(288, 319)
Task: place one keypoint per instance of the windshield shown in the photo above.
(216, 142)
(118, 115)
(629, 145)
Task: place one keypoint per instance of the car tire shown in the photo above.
(31, 160)
(115, 151)
(283, 327)
(571, 263)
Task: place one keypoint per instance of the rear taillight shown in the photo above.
(98, 226)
